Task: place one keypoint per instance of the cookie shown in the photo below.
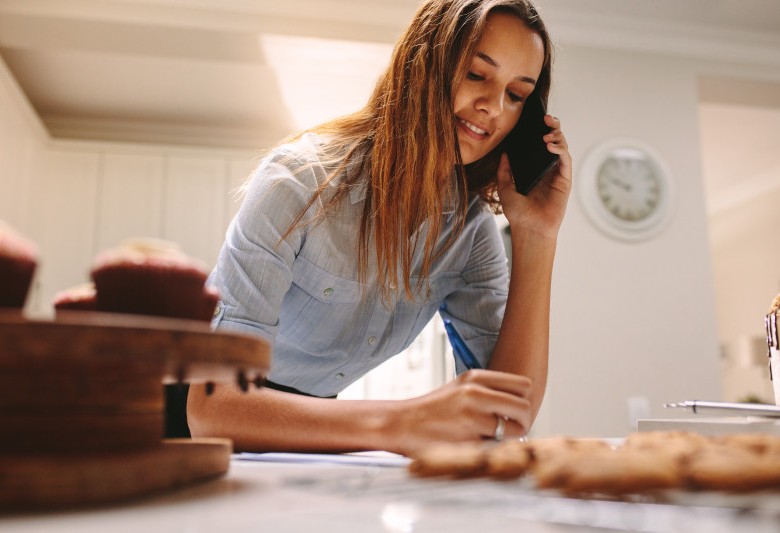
(680, 444)
(732, 468)
(623, 471)
(552, 458)
(451, 460)
(508, 459)
(757, 443)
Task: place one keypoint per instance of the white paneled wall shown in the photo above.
(17, 153)
(62, 221)
(21, 140)
(130, 199)
(92, 196)
(195, 191)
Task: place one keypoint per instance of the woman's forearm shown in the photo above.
(464, 409)
(269, 420)
(523, 341)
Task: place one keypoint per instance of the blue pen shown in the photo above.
(459, 347)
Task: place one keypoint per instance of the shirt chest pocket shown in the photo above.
(318, 308)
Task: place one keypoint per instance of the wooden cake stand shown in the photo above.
(82, 405)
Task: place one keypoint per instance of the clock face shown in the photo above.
(629, 185)
(626, 189)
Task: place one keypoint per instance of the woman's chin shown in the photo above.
(468, 156)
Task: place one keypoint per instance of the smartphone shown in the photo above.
(529, 158)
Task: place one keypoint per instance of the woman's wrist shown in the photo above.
(382, 425)
(522, 235)
(529, 227)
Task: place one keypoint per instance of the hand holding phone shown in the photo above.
(529, 158)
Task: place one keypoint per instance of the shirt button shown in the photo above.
(340, 375)
(372, 340)
(328, 291)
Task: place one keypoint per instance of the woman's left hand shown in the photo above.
(542, 210)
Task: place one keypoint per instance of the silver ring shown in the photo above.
(500, 427)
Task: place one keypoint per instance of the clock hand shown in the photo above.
(620, 183)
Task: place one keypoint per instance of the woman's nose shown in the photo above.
(490, 102)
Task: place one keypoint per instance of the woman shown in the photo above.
(353, 235)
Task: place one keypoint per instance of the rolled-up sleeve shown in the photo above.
(254, 268)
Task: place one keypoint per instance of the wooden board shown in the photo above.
(64, 431)
(35, 481)
(189, 349)
(94, 381)
(81, 405)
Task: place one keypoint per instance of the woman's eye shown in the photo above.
(514, 97)
(474, 76)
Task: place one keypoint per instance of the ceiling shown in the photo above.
(222, 72)
(244, 73)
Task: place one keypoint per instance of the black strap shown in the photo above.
(285, 388)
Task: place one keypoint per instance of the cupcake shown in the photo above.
(18, 260)
(151, 277)
(78, 298)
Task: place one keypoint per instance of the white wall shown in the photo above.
(747, 254)
(745, 217)
(91, 196)
(746, 265)
(630, 319)
(740, 122)
(21, 139)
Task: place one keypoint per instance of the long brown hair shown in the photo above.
(404, 141)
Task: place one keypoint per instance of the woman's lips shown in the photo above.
(472, 130)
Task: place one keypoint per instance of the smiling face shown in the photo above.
(503, 73)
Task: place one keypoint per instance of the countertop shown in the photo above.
(286, 496)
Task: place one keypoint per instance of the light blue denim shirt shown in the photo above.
(301, 293)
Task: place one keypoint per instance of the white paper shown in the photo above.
(374, 458)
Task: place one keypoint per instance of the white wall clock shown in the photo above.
(626, 189)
